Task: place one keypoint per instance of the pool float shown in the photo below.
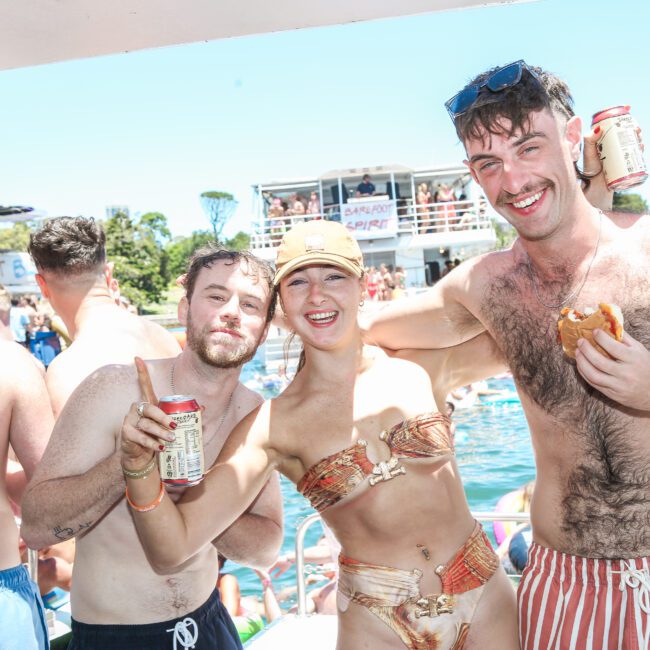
(248, 625)
(510, 502)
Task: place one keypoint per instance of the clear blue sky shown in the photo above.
(154, 129)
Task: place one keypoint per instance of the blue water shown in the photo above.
(493, 451)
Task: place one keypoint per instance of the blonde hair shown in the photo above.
(527, 495)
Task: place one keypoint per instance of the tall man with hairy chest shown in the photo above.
(588, 578)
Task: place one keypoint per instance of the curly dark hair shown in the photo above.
(206, 256)
(70, 245)
(508, 111)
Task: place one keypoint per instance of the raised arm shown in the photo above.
(205, 511)
(80, 478)
(458, 365)
(436, 319)
(596, 191)
(261, 522)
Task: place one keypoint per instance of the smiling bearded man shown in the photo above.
(229, 302)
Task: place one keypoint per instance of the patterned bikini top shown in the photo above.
(337, 475)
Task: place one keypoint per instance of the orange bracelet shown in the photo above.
(149, 506)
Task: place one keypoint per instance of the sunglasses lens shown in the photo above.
(458, 104)
(506, 77)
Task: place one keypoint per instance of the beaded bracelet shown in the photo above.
(140, 473)
(149, 506)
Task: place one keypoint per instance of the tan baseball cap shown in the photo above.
(318, 242)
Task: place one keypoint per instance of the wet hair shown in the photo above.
(253, 266)
(69, 245)
(508, 111)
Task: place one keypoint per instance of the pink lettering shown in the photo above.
(368, 224)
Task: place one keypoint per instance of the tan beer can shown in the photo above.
(619, 148)
(182, 462)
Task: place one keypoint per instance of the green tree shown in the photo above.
(239, 242)
(634, 203)
(219, 206)
(141, 263)
(156, 224)
(180, 249)
(16, 237)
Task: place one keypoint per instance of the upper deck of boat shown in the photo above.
(408, 209)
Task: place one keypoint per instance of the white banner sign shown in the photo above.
(16, 269)
(370, 219)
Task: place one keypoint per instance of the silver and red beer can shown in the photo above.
(182, 462)
(619, 148)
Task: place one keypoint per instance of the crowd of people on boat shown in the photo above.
(361, 429)
(437, 208)
(282, 213)
(385, 283)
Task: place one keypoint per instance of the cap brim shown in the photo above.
(309, 259)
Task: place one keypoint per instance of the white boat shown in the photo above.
(397, 225)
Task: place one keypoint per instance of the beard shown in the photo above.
(215, 355)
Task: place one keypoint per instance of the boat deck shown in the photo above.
(292, 632)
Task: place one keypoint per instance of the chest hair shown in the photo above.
(607, 491)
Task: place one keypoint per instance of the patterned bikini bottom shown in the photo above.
(434, 622)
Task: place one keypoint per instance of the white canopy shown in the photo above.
(378, 170)
(34, 32)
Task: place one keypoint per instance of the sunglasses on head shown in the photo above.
(505, 77)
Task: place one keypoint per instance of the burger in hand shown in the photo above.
(574, 325)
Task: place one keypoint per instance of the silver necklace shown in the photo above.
(572, 294)
(223, 415)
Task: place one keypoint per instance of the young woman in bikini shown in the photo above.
(375, 458)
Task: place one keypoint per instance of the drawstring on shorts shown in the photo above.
(639, 580)
(183, 635)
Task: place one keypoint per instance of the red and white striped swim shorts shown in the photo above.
(566, 602)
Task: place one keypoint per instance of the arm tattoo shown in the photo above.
(67, 532)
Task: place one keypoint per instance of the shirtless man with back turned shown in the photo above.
(587, 576)
(73, 274)
(25, 424)
(118, 599)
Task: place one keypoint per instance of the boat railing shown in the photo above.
(301, 532)
(412, 219)
(451, 216)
